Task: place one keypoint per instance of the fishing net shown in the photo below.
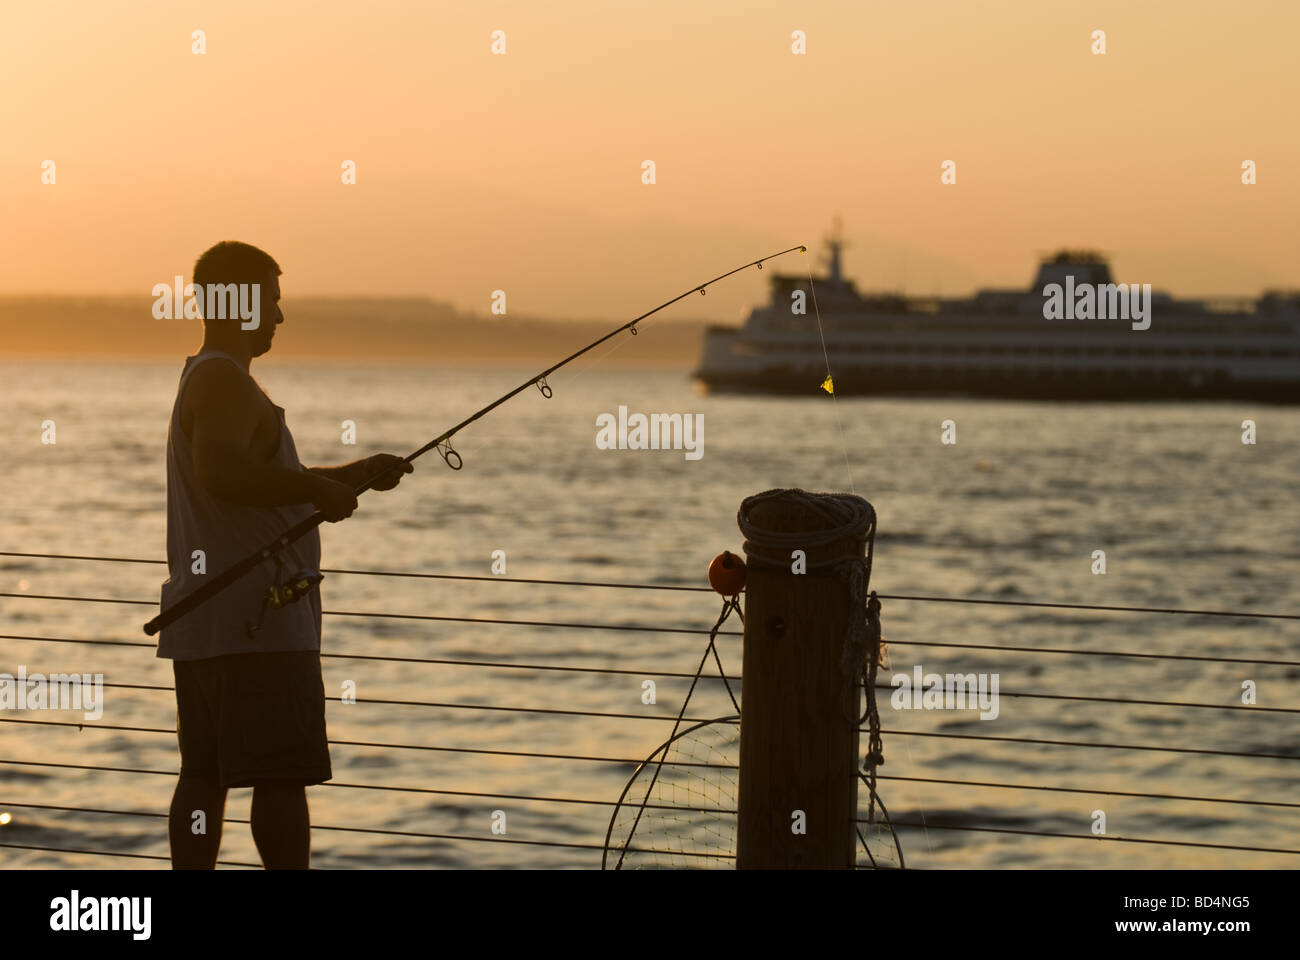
(678, 810)
(878, 845)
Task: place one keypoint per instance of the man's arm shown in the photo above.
(386, 466)
(225, 411)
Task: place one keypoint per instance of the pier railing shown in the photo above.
(20, 794)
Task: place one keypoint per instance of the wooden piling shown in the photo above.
(798, 751)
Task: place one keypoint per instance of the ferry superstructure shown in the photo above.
(998, 343)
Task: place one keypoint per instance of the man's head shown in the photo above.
(235, 267)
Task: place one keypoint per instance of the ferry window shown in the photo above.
(997, 349)
(1069, 351)
(1022, 350)
(1223, 351)
(1251, 352)
(1279, 352)
(1096, 350)
(948, 348)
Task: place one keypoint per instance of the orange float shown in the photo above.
(727, 574)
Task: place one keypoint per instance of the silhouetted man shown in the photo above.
(250, 701)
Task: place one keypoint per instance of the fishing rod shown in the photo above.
(277, 596)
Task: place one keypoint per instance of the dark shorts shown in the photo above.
(252, 716)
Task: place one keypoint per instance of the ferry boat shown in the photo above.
(1001, 343)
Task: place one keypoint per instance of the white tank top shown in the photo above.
(227, 532)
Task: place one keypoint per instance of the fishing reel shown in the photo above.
(280, 595)
(299, 585)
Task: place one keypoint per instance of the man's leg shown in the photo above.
(195, 840)
(281, 825)
(282, 715)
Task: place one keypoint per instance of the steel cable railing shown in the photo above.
(533, 755)
(1064, 651)
(930, 825)
(653, 586)
(432, 791)
(880, 687)
(591, 669)
(927, 825)
(376, 831)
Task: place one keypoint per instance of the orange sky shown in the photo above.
(522, 172)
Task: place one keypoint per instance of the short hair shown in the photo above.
(231, 261)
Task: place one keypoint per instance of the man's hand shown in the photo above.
(384, 469)
(335, 500)
(392, 468)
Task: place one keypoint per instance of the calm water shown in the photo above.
(1187, 515)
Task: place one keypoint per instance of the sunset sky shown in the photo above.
(523, 172)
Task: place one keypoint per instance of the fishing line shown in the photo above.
(831, 381)
(442, 443)
(580, 370)
(873, 796)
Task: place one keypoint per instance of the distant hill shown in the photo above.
(414, 330)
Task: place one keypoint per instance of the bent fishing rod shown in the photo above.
(442, 443)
